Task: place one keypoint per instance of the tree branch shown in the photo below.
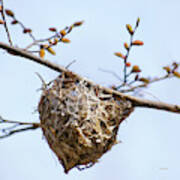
(137, 102)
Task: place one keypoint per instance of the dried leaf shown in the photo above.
(138, 43)
(42, 53)
(9, 13)
(1, 21)
(137, 22)
(128, 64)
(50, 50)
(78, 23)
(63, 32)
(120, 55)
(65, 40)
(130, 29)
(177, 74)
(27, 30)
(126, 46)
(167, 69)
(135, 69)
(14, 22)
(145, 80)
(53, 29)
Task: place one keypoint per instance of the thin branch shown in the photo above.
(111, 72)
(16, 127)
(18, 130)
(137, 102)
(23, 27)
(72, 62)
(5, 23)
(127, 54)
(147, 84)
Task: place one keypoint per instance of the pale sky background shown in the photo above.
(150, 139)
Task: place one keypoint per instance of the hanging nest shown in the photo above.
(79, 120)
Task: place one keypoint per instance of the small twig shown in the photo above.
(23, 27)
(8, 131)
(19, 130)
(36, 42)
(127, 54)
(57, 35)
(72, 62)
(146, 84)
(111, 72)
(126, 57)
(44, 85)
(5, 23)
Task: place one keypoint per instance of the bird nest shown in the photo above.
(79, 120)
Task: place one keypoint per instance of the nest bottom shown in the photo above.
(79, 120)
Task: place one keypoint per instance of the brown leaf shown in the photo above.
(137, 22)
(52, 29)
(65, 40)
(135, 69)
(130, 29)
(50, 50)
(126, 46)
(128, 64)
(14, 22)
(138, 43)
(78, 23)
(120, 55)
(27, 30)
(63, 32)
(177, 74)
(145, 80)
(1, 21)
(42, 53)
(9, 13)
(167, 69)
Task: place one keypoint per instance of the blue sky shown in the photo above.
(150, 139)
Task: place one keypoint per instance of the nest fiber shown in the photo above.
(79, 120)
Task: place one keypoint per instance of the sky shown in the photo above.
(150, 138)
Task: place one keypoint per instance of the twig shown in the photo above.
(137, 102)
(111, 72)
(23, 27)
(8, 131)
(72, 62)
(57, 35)
(146, 84)
(5, 23)
(18, 130)
(127, 54)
